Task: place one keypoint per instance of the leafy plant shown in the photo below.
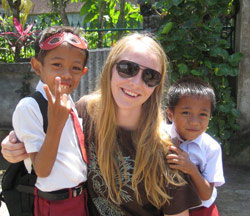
(194, 38)
(59, 6)
(111, 15)
(18, 9)
(46, 20)
(15, 41)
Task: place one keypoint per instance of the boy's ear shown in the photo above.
(85, 69)
(36, 65)
(170, 114)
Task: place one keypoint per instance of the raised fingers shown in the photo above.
(57, 90)
(48, 93)
(65, 102)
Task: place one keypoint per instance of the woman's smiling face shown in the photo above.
(131, 93)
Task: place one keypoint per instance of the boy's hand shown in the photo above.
(58, 108)
(179, 159)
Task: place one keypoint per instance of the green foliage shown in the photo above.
(109, 15)
(46, 20)
(19, 9)
(6, 53)
(192, 33)
(8, 41)
(15, 42)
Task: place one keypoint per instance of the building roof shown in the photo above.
(43, 6)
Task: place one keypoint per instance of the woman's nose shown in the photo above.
(137, 79)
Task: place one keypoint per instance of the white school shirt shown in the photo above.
(205, 153)
(69, 169)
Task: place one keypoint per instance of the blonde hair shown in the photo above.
(151, 142)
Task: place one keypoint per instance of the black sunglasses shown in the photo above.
(127, 69)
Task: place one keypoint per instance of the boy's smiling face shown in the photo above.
(64, 61)
(191, 116)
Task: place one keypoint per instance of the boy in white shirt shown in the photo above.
(58, 156)
(190, 103)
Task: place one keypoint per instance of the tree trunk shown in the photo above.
(121, 17)
(100, 33)
(14, 6)
(62, 11)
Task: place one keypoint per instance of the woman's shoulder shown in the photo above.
(83, 100)
(86, 102)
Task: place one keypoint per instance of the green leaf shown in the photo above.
(177, 36)
(211, 2)
(167, 28)
(224, 70)
(202, 46)
(225, 108)
(235, 58)
(177, 2)
(219, 52)
(208, 64)
(195, 72)
(182, 68)
(225, 134)
(170, 47)
(235, 112)
(221, 123)
(224, 82)
(223, 43)
(216, 24)
(89, 17)
(234, 72)
(133, 15)
(85, 8)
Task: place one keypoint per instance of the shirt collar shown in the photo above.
(175, 135)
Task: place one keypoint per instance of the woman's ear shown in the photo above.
(36, 65)
(85, 69)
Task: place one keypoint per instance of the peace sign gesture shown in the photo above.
(58, 107)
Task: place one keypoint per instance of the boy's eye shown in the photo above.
(204, 114)
(77, 68)
(56, 64)
(185, 113)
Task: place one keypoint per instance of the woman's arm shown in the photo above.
(185, 213)
(12, 150)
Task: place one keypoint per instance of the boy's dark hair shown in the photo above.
(40, 54)
(190, 86)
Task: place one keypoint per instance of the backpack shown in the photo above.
(17, 184)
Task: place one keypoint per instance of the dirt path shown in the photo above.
(234, 196)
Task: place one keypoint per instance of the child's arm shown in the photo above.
(58, 112)
(179, 159)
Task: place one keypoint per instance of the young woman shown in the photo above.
(125, 136)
